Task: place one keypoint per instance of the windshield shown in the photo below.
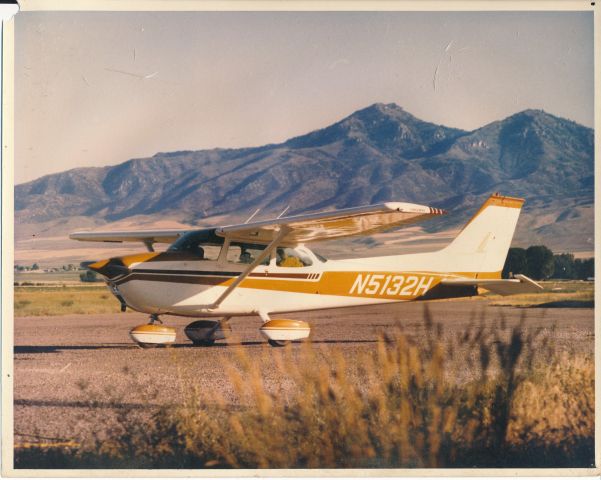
(202, 243)
(321, 258)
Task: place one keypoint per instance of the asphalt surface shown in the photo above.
(74, 373)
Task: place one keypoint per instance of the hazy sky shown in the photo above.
(100, 88)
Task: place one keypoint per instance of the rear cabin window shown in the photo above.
(202, 245)
(245, 253)
(289, 257)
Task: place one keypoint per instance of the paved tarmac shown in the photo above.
(74, 373)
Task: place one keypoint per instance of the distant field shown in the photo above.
(42, 301)
(558, 293)
(54, 277)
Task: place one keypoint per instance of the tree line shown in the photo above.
(539, 263)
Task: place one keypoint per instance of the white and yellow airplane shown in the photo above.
(265, 268)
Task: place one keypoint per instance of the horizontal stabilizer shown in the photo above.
(519, 284)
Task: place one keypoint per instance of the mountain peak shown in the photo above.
(382, 111)
(382, 126)
(543, 118)
(384, 108)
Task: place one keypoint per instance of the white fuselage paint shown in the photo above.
(189, 299)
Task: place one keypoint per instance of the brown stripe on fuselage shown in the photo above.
(173, 278)
(280, 275)
(201, 278)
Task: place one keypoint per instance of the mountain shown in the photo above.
(376, 154)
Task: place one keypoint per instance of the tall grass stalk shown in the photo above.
(506, 400)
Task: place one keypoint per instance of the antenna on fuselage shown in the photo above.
(253, 215)
(283, 212)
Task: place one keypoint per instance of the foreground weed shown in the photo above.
(406, 403)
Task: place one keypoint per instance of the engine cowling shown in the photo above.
(285, 330)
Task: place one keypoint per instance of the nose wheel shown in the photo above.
(153, 333)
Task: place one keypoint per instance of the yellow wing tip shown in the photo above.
(504, 201)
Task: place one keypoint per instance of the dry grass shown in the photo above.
(408, 403)
(41, 301)
(555, 294)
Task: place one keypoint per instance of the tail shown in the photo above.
(480, 249)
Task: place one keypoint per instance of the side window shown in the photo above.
(289, 257)
(246, 254)
(202, 251)
(208, 252)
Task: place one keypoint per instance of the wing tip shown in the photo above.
(437, 211)
(504, 201)
(414, 208)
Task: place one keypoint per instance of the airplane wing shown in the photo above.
(299, 229)
(329, 225)
(147, 237)
(519, 284)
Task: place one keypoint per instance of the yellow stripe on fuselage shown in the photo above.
(382, 285)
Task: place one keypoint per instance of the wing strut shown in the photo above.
(149, 244)
(262, 256)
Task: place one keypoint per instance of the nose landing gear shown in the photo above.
(151, 335)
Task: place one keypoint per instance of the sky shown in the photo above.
(100, 88)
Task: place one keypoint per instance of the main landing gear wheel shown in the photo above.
(280, 332)
(204, 333)
(151, 335)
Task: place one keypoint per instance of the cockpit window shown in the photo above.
(289, 257)
(321, 258)
(245, 253)
(203, 244)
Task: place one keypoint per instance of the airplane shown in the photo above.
(265, 268)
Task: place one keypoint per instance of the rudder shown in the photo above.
(482, 245)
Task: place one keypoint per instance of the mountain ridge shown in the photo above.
(377, 153)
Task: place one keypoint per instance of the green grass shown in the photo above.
(41, 301)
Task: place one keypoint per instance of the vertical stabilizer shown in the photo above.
(481, 247)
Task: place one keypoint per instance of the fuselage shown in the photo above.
(179, 283)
